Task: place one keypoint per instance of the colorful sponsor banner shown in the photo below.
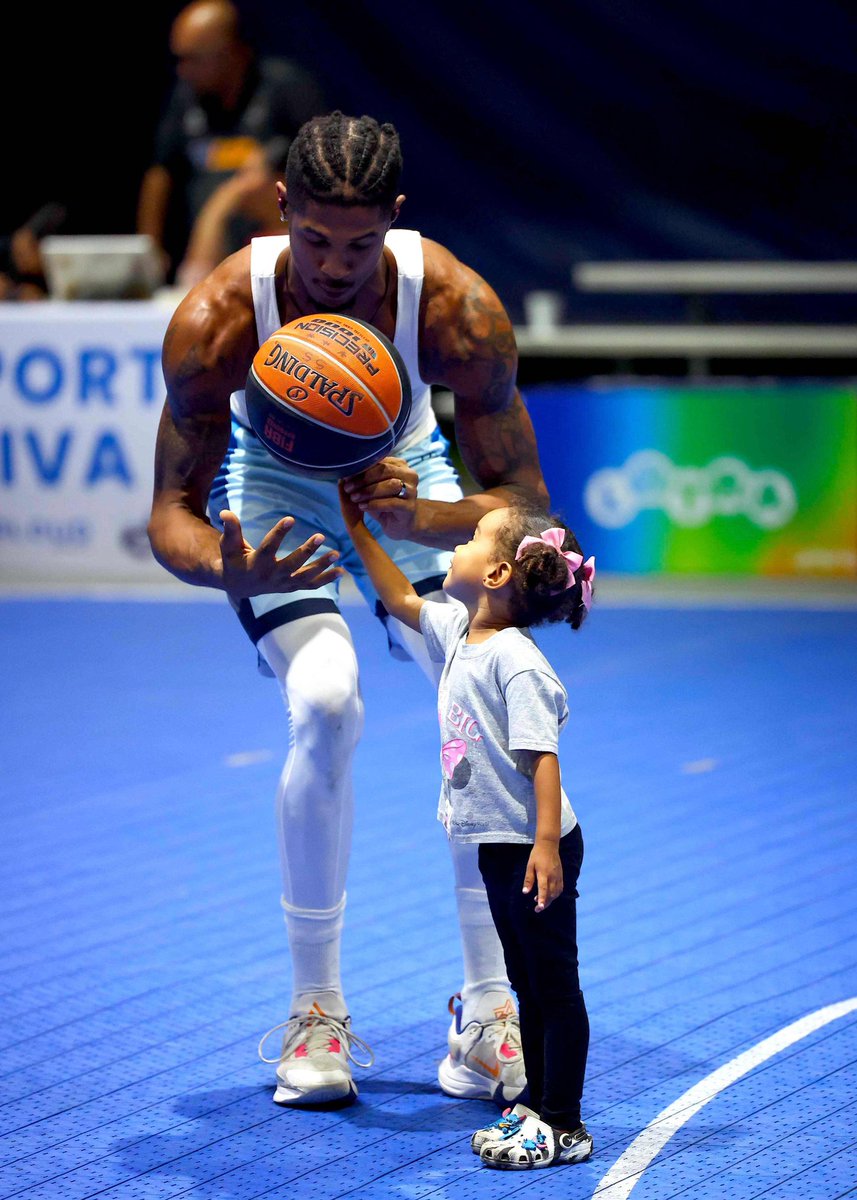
(744, 480)
(81, 392)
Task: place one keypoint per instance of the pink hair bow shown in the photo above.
(554, 538)
(586, 582)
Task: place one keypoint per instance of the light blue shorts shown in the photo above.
(260, 491)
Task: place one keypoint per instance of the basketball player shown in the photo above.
(227, 515)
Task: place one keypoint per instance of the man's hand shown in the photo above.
(249, 572)
(544, 868)
(377, 491)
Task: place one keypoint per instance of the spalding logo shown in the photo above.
(297, 393)
(338, 394)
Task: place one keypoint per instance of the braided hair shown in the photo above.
(343, 160)
(539, 594)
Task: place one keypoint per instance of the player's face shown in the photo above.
(473, 560)
(336, 250)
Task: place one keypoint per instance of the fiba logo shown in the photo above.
(690, 496)
(275, 433)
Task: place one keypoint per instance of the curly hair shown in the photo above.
(539, 577)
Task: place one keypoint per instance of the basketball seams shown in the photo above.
(393, 351)
(349, 467)
(301, 430)
(302, 413)
(360, 384)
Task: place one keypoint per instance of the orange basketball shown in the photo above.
(328, 395)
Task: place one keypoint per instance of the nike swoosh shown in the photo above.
(494, 1072)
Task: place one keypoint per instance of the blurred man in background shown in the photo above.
(243, 207)
(226, 107)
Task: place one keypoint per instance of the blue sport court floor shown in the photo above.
(712, 758)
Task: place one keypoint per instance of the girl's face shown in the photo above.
(474, 559)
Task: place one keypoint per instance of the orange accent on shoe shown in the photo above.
(494, 1071)
(506, 1010)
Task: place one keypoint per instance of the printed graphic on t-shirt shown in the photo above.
(455, 765)
(468, 725)
(453, 754)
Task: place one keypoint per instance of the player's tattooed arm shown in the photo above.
(190, 449)
(469, 346)
(205, 353)
(194, 432)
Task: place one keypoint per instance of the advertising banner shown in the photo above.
(735, 480)
(81, 391)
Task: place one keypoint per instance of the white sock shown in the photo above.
(314, 940)
(485, 992)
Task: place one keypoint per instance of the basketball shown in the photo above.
(328, 395)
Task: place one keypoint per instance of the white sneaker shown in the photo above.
(313, 1066)
(485, 1060)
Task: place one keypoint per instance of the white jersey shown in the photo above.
(406, 246)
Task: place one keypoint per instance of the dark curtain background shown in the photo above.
(535, 135)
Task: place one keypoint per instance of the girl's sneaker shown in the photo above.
(535, 1145)
(506, 1125)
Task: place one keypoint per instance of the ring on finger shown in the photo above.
(401, 494)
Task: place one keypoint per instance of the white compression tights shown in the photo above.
(314, 661)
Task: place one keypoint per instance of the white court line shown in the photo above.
(626, 1172)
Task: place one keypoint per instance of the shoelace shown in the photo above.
(511, 1022)
(505, 1029)
(320, 1030)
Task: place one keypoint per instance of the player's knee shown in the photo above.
(328, 711)
(314, 661)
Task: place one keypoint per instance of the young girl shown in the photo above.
(501, 708)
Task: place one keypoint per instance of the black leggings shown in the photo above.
(541, 957)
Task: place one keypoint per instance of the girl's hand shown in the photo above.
(544, 868)
(351, 511)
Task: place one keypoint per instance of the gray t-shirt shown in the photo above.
(495, 698)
